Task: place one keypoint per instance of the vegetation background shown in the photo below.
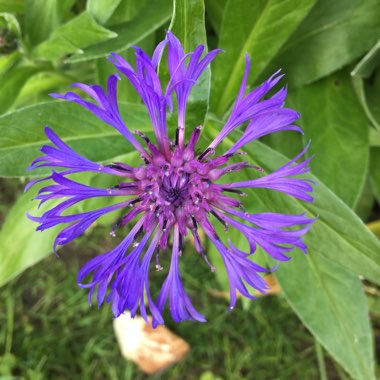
(325, 324)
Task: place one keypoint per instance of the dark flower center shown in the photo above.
(175, 190)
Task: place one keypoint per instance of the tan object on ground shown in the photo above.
(274, 288)
(273, 284)
(151, 349)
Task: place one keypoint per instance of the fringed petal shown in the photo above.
(181, 307)
(284, 180)
(240, 270)
(105, 108)
(248, 108)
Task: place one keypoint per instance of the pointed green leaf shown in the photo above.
(129, 33)
(78, 33)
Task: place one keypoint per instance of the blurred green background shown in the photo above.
(326, 322)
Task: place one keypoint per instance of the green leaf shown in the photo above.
(41, 18)
(102, 10)
(258, 28)
(332, 35)
(12, 83)
(12, 6)
(78, 33)
(129, 33)
(375, 171)
(21, 134)
(334, 120)
(331, 303)
(338, 235)
(20, 245)
(188, 24)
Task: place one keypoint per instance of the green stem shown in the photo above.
(10, 321)
(321, 361)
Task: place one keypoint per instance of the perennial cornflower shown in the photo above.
(177, 190)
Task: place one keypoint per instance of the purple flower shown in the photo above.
(176, 191)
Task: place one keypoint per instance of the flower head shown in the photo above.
(176, 191)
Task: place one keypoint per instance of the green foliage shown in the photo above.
(127, 11)
(331, 36)
(329, 51)
(130, 32)
(333, 119)
(13, 6)
(375, 172)
(80, 32)
(12, 83)
(41, 18)
(316, 284)
(102, 10)
(20, 245)
(367, 84)
(22, 135)
(320, 292)
(215, 9)
(250, 27)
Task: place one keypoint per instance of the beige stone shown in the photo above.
(151, 349)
